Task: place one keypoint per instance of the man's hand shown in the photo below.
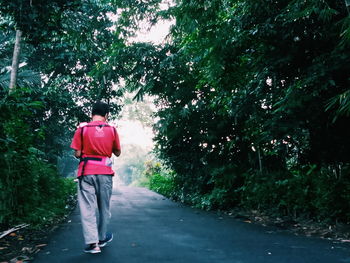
(117, 152)
(77, 154)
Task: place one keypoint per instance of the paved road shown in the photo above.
(151, 229)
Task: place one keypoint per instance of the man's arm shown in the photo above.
(116, 144)
(76, 143)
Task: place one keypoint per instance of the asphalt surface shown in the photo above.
(150, 228)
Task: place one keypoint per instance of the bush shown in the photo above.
(157, 178)
(163, 185)
(31, 190)
(308, 192)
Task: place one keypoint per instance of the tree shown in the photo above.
(242, 89)
(15, 60)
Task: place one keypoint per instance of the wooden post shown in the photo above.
(15, 61)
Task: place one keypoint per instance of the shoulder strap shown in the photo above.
(81, 139)
(114, 131)
(98, 125)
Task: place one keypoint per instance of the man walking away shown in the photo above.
(94, 143)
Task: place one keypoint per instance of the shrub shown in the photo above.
(30, 188)
(161, 184)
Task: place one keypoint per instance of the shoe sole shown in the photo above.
(92, 251)
(106, 243)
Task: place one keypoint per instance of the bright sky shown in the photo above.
(132, 132)
(156, 35)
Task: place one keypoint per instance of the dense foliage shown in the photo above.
(30, 188)
(248, 96)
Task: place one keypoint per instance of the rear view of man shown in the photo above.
(94, 143)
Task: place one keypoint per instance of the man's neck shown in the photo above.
(98, 118)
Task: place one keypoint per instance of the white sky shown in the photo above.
(156, 35)
(130, 131)
(133, 132)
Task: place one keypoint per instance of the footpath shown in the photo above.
(149, 228)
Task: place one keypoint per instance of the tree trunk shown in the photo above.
(260, 163)
(15, 61)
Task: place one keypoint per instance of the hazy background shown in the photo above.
(135, 133)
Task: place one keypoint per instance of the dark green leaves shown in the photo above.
(242, 91)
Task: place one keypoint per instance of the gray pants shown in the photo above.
(94, 194)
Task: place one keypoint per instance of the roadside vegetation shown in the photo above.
(253, 106)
